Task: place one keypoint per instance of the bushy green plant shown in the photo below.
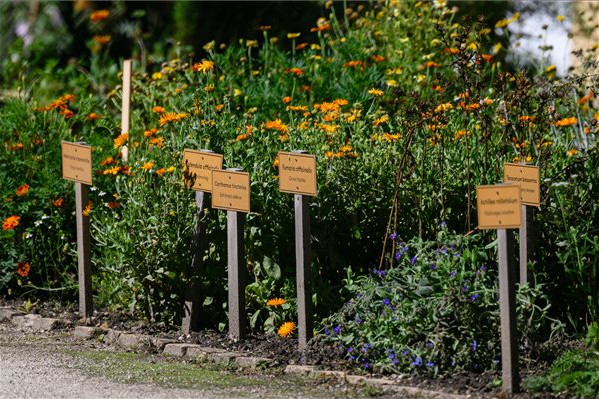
(435, 311)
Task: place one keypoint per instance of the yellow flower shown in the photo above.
(157, 141)
(158, 109)
(566, 122)
(277, 125)
(375, 92)
(560, 18)
(286, 329)
(148, 165)
(550, 69)
(121, 140)
(444, 107)
(111, 171)
(274, 302)
(157, 75)
(160, 171)
(204, 66)
(293, 35)
(572, 152)
(87, 209)
(251, 43)
(381, 120)
(170, 169)
(172, 117)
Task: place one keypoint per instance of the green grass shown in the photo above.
(576, 373)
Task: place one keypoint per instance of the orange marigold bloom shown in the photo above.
(286, 329)
(172, 117)
(354, 64)
(566, 122)
(107, 161)
(438, 88)
(93, 116)
(294, 71)
(572, 152)
(11, 222)
(472, 107)
(320, 28)
(301, 46)
(151, 132)
(66, 112)
(203, 66)
(99, 15)
(102, 39)
(286, 100)
(23, 269)
(375, 92)
(277, 125)
(274, 302)
(147, 165)
(160, 171)
(113, 204)
(158, 109)
(15, 147)
(431, 64)
(22, 190)
(587, 97)
(242, 136)
(451, 50)
(111, 171)
(527, 118)
(157, 141)
(58, 202)
(487, 57)
(328, 154)
(329, 129)
(219, 107)
(302, 108)
(377, 58)
(121, 140)
(86, 211)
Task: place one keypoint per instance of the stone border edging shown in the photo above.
(171, 347)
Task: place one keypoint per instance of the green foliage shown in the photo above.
(436, 311)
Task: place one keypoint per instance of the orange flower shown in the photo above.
(566, 122)
(354, 64)
(23, 269)
(102, 39)
(86, 211)
(587, 97)
(158, 109)
(204, 66)
(431, 64)
(147, 165)
(487, 57)
(274, 302)
(328, 154)
(66, 112)
(58, 202)
(219, 107)
(15, 147)
(11, 222)
(286, 329)
(321, 28)
(172, 117)
(22, 190)
(121, 140)
(151, 132)
(241, 137)
(294, 71)
(111, 171)
(277, 125)
(451, 50)
(286, 100)
(93, 116)
(113, 204)
(527, 118)
(572, 152)
(107, 161)
(160, 171)
(301, 46)
(157, 141)
(302, 108)
(99, 15)
(375, 92)
(377, 58)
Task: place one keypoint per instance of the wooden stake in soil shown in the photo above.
(197, 174)
(527, 241)
(499, 207)
(125, 108)
(77, 166)
(231, 192)
(297, 175)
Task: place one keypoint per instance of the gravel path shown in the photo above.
(54, 365)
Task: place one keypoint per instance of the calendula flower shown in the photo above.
(67, 113)
(251, 43)
(99, 15)
(242, 136)
(572, 152)
(219, 107)
(93, 116)
(302, 108)
(158, 109)
(23, 269)
(113, 204)
(560, 18)
(381, 120)
(294, 71)
(461, 133)
(170, 169)
(172, 117)
(286, 329)
(121, 140)
(527, 118)
(111, 171)
(11, 222)
(151, 132)
(286, 100)
(22, 190)
(566, 122)
(58, 202)
(102, 39)
(328, 154)
(293, 35)
(444, 107)
(431, 64)
(354, 64)
(86, 211)
(107, 161)
(160, 171)
(157, 141)
(550, 68)
(375, 92)
(274, 302)
(391, 137)
(451, 50)
(586, 97)
(203, 66)
(329, 129)
(147, 165)
(277, 125)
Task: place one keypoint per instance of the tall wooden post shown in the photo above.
(507, 310)
(191, 319)
(302, 262)
(527, 242)
(236, 274)
(83, 250)
(126, 104)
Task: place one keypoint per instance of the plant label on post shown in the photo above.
(499, 207)
(197, 169)
(77, 166)
(197, 175)
(126, 105)
(297, 175)
(231, 192)
(528, 178)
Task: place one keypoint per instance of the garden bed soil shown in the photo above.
(282, 351)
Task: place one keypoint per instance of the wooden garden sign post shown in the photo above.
(125, 108)
(197, 175)
(297, 175)
(499, 207)
(231, 192)
(527, 177)
(77, 166)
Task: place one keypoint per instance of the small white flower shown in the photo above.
(28, 236)
(44, 217)
(101, 194)
(94, 188)
(37, 223)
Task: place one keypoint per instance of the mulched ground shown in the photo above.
(285, 351)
